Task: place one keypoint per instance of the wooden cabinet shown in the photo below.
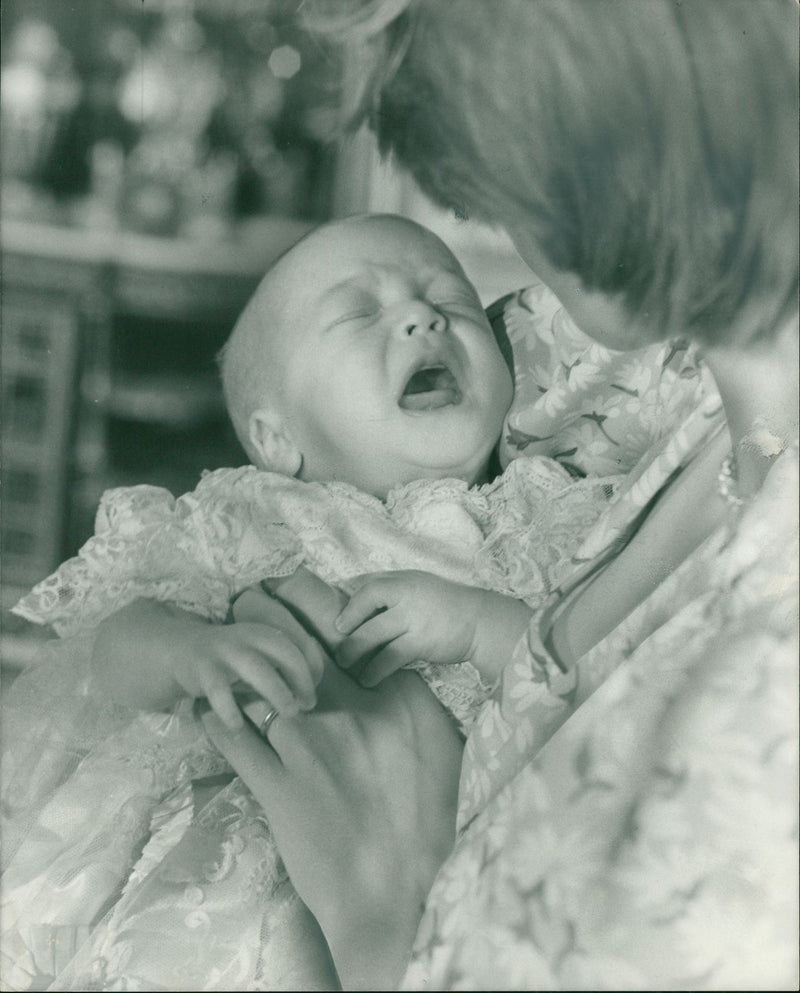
(41, 338)
(108, 372)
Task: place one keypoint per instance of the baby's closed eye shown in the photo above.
(349, 305)
(456, 300)
(356, 317)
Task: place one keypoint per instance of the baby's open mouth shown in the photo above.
(430, 388)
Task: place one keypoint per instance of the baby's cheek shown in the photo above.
(500, 388)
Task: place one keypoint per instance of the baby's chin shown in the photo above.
(454, 457)
(473, 473)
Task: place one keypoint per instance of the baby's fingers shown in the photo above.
(272, 664)
(220, 696)
(370, 636)
(371, 598)
(391, 658)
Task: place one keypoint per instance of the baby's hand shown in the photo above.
(213, 661)
(395, 618)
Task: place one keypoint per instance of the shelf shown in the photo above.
(143, 275)
(167, 399)
(249, 251)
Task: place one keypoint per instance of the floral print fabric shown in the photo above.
(638, 830)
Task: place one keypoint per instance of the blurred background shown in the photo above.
(155, 157)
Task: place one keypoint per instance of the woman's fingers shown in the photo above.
(295, 738)
(269, 685)
(251, 756)
(256, 709)
(256, 606)
(268, 648)
(252, 605)
(377, 631)
(265, 610)
(338, 691)
(361, 759)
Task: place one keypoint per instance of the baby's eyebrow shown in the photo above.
(358, 282)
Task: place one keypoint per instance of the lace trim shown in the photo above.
(459, 688)
(515, 535)
(240, 526)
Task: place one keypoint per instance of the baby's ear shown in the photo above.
(276, 450)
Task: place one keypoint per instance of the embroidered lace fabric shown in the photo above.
(243, 525)
(197, 552)
(126, 871)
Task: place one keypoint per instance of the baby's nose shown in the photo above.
(419, 317)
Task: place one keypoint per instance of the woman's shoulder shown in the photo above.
(596, 410)
(759, 560)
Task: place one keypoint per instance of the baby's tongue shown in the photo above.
(428, 389)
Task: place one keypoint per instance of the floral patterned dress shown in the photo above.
(135, 860)
(635, 825)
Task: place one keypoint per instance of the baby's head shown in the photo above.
(365, 356)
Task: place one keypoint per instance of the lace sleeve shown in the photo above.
(196, 552)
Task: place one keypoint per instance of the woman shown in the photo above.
(627, 812)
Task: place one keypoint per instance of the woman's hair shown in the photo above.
(649, 146)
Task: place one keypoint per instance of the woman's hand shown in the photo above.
(361, 797)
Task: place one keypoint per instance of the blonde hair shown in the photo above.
(247, 362)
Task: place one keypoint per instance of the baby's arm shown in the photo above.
(149, 654)
(399, 617)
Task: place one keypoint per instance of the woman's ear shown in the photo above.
(271, 441)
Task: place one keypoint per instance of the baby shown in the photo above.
(366, 357)
(368, 388)
(364, 362)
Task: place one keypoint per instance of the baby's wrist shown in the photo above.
(501, 621)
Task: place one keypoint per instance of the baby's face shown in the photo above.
(390, 368)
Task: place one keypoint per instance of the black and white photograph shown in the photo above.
(399, 495)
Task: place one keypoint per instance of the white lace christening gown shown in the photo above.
(135, 860)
